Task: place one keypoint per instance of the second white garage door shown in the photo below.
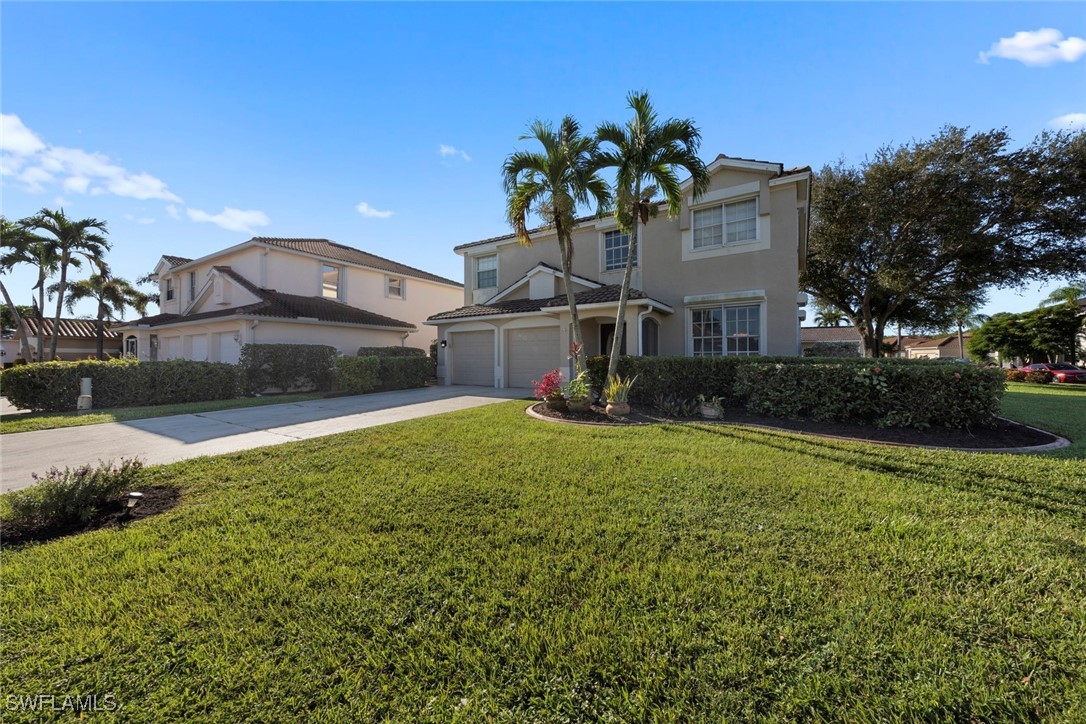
(532, 354)
(472, 358)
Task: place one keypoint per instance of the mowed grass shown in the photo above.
(483, 565)
(29, 421)
(1057, 408)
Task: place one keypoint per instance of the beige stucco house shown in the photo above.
(286, 291)
(721, 278)
(76, 340)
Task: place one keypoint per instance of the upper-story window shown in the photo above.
(616, 248)
(169, 289)
(192, 286)
(330, 281)
(726, 223)
(394, 287)
(486, 272)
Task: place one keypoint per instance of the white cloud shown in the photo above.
(1069, 121)
(447, 151)
(173, 212)
(16, 138)
(36, 164)
(1037, 48)
(139, 220)
(367, 210)
(232, 219)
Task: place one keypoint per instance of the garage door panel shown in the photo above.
(532, 353)
(472, 358)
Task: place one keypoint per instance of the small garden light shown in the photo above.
(132, 501)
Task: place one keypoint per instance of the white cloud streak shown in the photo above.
(1068, 122)
(232, 219)
(173, 212)
(447, 151)
(1037, 48)
(25, 157)
(370, 212)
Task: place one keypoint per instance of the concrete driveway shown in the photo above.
(160, 440)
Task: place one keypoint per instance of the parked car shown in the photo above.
(1062, 371)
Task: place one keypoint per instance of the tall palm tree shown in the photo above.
(113, 296)
(1065, 295)
(85, 238)
(830, 317)
(645, 157)
(553, 184)
(21, 246)
(966, 317)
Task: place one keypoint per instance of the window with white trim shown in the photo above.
(330, 281)
(486, 272)
(716, 331)
(726, 223)
(169, 289)
(394, 287)
(616, 248)
(192, 286)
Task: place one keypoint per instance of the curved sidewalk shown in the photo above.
(160, 440)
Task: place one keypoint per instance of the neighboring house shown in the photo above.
(899, 346)
(840, 341)
(292, 291)
(939, 348)
(78, 339)
(722, 278)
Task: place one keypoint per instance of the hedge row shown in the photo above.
(54, 386)
(287, 367)
(356, 375)
(1037, 377)
(401, 373)
(889, 393)
(391, 352)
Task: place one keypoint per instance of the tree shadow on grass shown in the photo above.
(1066, 500)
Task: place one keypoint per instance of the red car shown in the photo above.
(1062, 371)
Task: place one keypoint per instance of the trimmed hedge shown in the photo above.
(1037, 377)
(391, 352)
(357, 375)
(884, 392)
(287, 367)
(54, 386)
(401, 373)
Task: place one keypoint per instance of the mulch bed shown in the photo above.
(1003, 434)
(156, 500)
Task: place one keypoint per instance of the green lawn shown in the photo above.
(1057, 408)
(26, 422)
(483, 564)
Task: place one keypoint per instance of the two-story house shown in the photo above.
(286, 291)
(721, 278)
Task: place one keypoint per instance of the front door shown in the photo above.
(607, 336)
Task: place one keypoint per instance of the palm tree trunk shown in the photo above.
(39, 314)
(20, 324)
(961, 342)
(567, 276)
(623, 297)
(62, 287)
(100, 331)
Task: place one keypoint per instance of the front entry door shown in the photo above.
(607, 335)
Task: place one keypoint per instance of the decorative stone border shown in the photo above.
(1058, 443)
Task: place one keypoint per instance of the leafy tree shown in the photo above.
(1040, 335)
(21, 246)
(1069, 294)
(552, 184)
(934, 223)
(112, 294)
(646, 154)
(85, 238)
(12, 316)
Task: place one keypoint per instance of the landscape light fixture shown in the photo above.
(132, 501)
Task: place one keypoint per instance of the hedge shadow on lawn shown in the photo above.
(1019, 491)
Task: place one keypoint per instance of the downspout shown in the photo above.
(641, 329)
(403, 339)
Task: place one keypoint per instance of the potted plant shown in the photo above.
(549, 389)
(711, 408)
(617, 393)
(577, 393)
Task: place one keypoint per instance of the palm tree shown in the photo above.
(966, 317)
(73, 238)
(552, 184)
(646, 154)
(113, 296)
(1065, 295)
(21, 246)
(830, 317)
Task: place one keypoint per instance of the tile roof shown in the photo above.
(282, 306)
(175, 260)
(829, 334)
(338, 252)
(69, 327)
(609, 293)
(936, 342)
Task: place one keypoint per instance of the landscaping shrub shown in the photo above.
(898, 393)
(832, 349)
(70, 496)
(391, 352)
(400, 373)
(357, 375)
(287, 367)
(54, 386)
(1038, 377)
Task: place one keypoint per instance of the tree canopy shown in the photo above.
(924, 228)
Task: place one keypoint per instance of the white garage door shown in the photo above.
(472, 358)
(532, 354)
(199, 348)
(229, 349)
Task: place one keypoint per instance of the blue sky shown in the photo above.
(191, 127)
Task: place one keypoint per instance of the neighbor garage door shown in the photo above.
(532, 354)
(472, 358)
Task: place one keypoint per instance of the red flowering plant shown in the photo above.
(550, 387)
